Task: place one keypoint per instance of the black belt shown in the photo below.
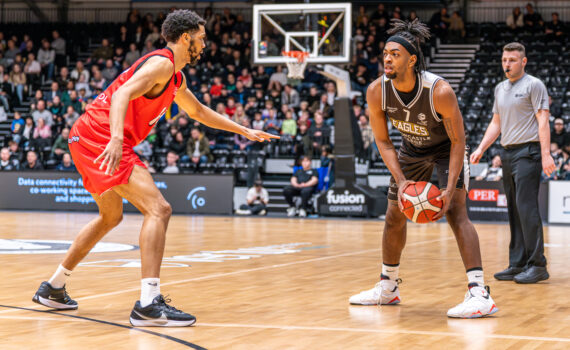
(520, 145)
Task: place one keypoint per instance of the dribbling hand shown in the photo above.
(111, 157)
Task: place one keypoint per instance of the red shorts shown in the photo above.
(87, 140)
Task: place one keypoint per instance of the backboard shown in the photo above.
(322, 30)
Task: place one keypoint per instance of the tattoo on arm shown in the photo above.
(449, 128)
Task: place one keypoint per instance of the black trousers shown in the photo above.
(305, 193)
(522, 165)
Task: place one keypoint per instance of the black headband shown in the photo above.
(400, 40)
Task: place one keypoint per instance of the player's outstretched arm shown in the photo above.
(190, 104)
(382, 138)
(445, 103)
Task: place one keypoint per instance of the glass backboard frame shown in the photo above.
(261, 12)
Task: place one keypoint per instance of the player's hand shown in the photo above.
(548, 165)
(476, 156)
(259, 135)
(111, 156)
(401, 189)
(445, 197)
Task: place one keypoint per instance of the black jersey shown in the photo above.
(418, 122)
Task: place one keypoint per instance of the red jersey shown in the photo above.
(143, 112)
(91, 133)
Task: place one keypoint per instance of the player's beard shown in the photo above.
(392, 75)
(194, 55)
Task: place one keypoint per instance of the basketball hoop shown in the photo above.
(296, 66)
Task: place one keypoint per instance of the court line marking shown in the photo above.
(38, 319)
(207, 277)
(224, 274)
(108, 323)
(383, 331)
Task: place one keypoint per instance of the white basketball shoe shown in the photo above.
(291, 211)
(477, 303)
(385, 292)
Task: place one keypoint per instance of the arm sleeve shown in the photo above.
(538, 96)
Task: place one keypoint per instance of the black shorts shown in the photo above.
(419, 167)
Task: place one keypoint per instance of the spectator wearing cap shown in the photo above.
(257, 199)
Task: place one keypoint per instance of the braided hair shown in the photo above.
(414, 32)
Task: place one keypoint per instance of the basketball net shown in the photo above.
(296, 67)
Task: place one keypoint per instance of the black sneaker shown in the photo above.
(533, 274)
(160, 314)
(509, 273)
(56, 298)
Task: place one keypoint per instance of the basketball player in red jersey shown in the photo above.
(423, 107)
(101, 144)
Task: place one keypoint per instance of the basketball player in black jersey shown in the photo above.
(423, 107)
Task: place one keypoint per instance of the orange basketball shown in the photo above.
(421, 203)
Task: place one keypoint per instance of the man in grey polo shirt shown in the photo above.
(521, 115)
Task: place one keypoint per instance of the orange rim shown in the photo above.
(299, 55)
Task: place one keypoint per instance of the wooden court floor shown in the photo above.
(269, 283)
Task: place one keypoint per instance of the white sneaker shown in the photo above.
(302, 213)
(263, 212)
(243, 212)
(291, 211)
(385, 292)
(477, 303)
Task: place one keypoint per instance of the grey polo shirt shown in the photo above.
(517, 104)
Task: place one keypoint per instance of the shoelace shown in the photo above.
(163, 301)
(398, 282)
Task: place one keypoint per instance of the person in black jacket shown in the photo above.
(303, 183)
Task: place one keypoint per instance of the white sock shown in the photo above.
(390, 271)
(475, 275)
(150, 288)
(59, 277)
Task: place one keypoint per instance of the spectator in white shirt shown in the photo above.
(257, 199)
(494, 172)
(80, 71)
